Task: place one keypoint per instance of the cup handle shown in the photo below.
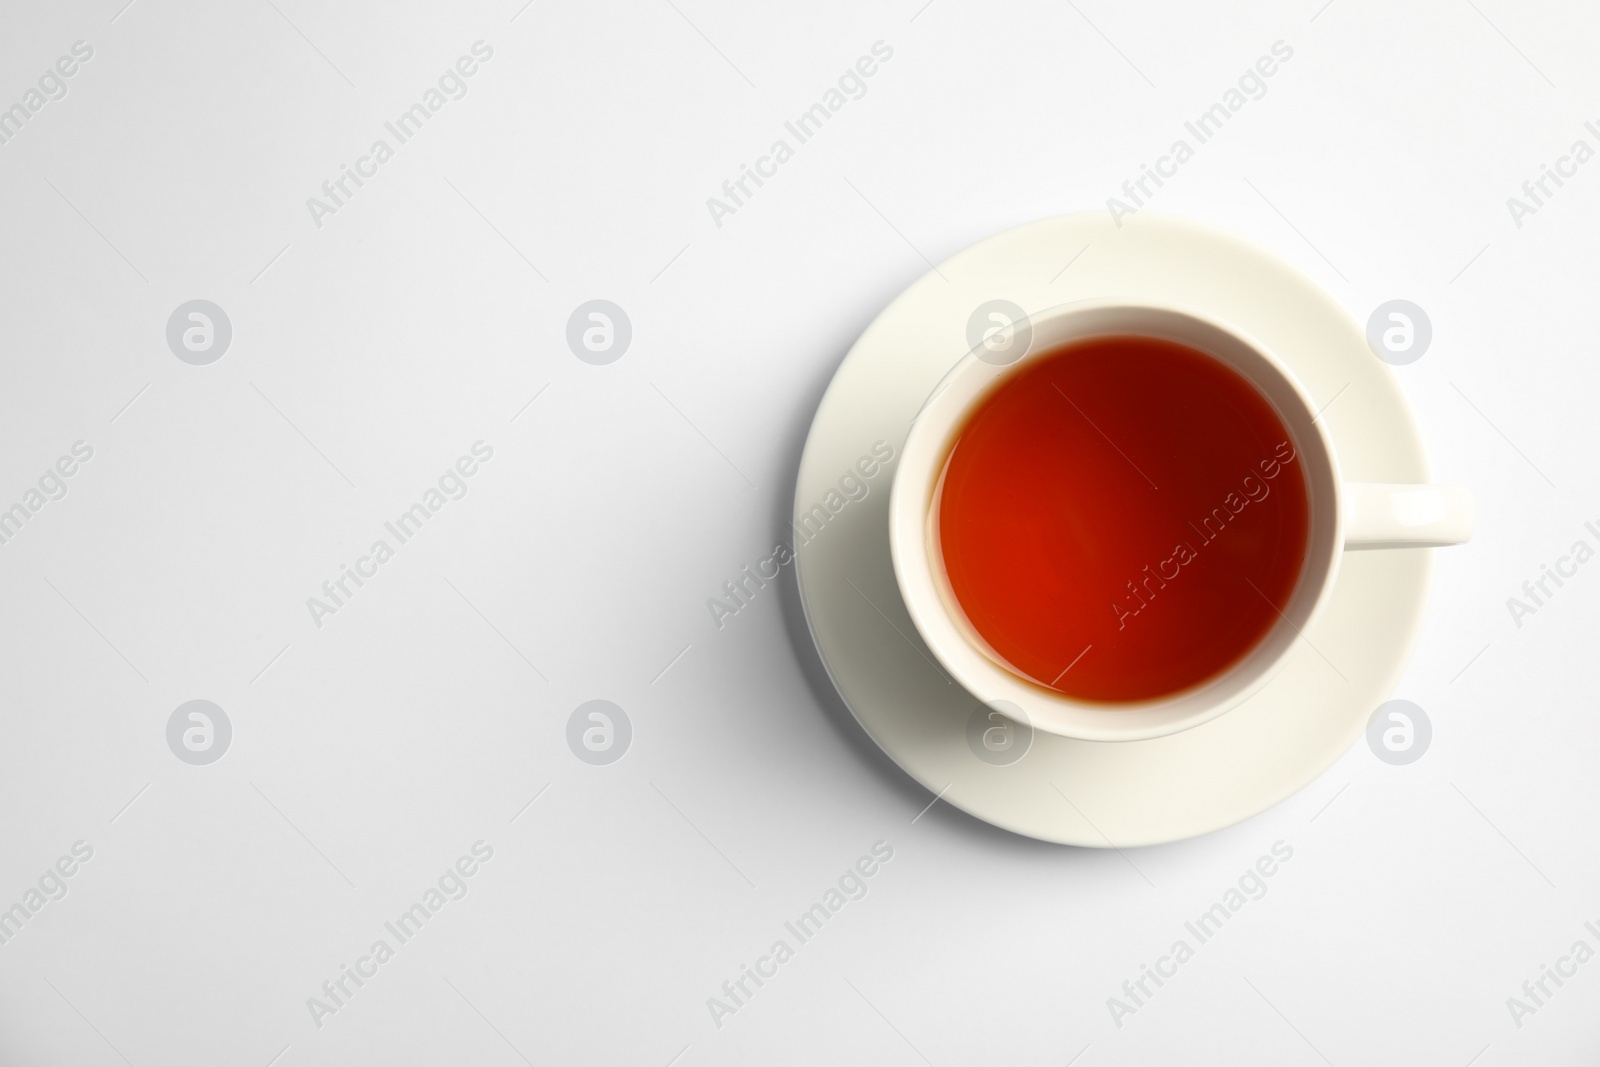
(1405, 516)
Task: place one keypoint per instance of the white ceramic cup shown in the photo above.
(1343, 516)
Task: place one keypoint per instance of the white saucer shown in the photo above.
(1084, 792)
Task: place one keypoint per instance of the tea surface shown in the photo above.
(1122, 518)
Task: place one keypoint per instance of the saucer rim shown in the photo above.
(1011, 805)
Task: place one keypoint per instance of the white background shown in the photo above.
(369, 353)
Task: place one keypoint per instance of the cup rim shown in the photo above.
(956, 644)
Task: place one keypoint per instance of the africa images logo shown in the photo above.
(806, 126)
(451, 85)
